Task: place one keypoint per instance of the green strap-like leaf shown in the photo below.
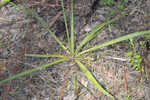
(31, 70)
(72, 28)
(3, 2)
(31, 12)
(92, 34)
(92, 79)
(66, 25)
(126, 37)
(44, 55)
(74, 80)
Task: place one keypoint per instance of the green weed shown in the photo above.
(111, 2)
(3, 2)
(128, 97)
(119, 7)
(134, 56)
(108, 2)
(71, 53)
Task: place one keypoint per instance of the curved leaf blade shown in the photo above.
(44, 55)
(126, 37)
(66, 25)
(3, 2)
(92, 34)
(31, 12)
(31, 70)
(92, 79)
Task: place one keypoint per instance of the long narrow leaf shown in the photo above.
(72, 28)
(92, 34)
(51, 33)
(92, 79)
(44, 55)
(74, 81)
(126, 37)
(3, 2)
(31, 12)
(66, 25)
(31, 70)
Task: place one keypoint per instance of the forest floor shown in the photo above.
(21, 34)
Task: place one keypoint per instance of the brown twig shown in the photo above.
(6, 90)
(62, 87)
(139, 74)
(54, 20)
(125, 78)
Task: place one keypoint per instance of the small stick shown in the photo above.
(63, 86)
(125, 78)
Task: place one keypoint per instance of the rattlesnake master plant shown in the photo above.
(72, 54)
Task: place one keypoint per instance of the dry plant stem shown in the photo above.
(54, 20)
(139, 74)
(23, 52)
(7, 90)
(63, 86)
(38, 96)
(125, 78)
(28, 86)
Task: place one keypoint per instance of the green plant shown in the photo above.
(120, 7)
(3, 2)
(128, 97)
(72, 54)
(108, 2)
(134, 56)
(147, 37)
(121, 4)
